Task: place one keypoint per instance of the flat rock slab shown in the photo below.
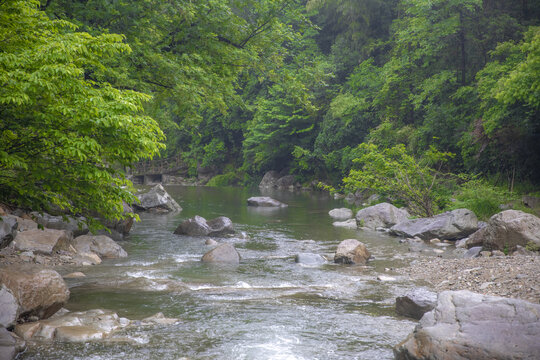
(466, 325)
(450, 225)
(42, 241)
(416, 303)
(264, 201)
(101, 245)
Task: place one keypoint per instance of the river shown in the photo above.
(268, 307)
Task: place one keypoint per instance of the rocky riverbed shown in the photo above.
(508, 276)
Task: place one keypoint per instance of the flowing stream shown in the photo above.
(268, 307)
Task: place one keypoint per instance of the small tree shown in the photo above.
(65, 133)
(394, 173)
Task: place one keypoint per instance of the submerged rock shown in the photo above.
(351, 251)
(466, 325)
(450, 225)
(224, 253)
(381, 215)
(199, 226)
(157, 200)
(416, 303)
(349, 224)
(264, 201)
(39, 291)
(341, 214)
(507, 230)
(310, 259)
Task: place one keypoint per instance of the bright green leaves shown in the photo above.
(64, 134)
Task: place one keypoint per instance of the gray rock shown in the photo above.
(220, 226)
(341, 214)
(465, 325)
(75, 225)
(285, 182)
(42, 241)
(269, 179)
(381, 215)
(349, 224)
(450, 225)
(8, 228)
(416, 303)
(211, 242)
(264, 201)
(198, 226)
(310, 259)
(531, 201)
(10, 345)
(100, 245)
(351, 251)
(9, 307)
(40, 291)
(507, 230)
(473, 252)
(521, 251)
(157, 200)
(224, 253)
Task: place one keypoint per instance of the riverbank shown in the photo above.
(507, 276)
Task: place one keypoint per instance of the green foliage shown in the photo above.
(483, 198)
(394, 173)
(64, 133)
(532, 246)
(228, 179)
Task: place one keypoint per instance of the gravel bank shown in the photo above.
(509, 276)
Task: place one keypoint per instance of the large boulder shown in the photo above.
(450, 225)
(224, 253)
(42, 241)
(117, 229)
(465, 325)
(351, 251)
(157, 200)
(8, 230)
(101, 245)
(416, 303)
(341, 214)
(9, 307)
(40, 292)
(383, 215)
(198, 226)
(73, 326)
(264, 201)
(285, 182)
(68, 223)
(507, 230)
(269, 179)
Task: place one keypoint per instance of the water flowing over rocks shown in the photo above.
(309, 259)
(39, 291)
(264, 201)
(351, 251)
(383, 215)
(416, 303)
(101, 245)
(73, 326)
(341, 214)
(199, 226)
(42, 241)
(224, 253)
(465, 325)
(507, 230)
(157, 200)
(450, 225)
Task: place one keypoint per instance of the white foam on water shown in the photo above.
(147, 274)
(181, 258)
(137, 263)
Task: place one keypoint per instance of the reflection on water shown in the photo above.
(268, 307)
